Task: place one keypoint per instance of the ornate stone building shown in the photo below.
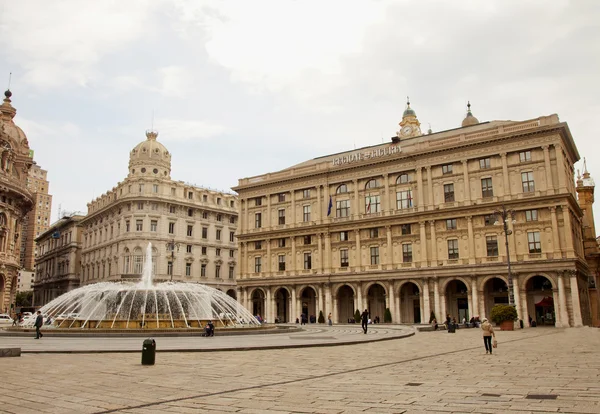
(15, 199)
(58, 263)
(192, 229)
(415, 226)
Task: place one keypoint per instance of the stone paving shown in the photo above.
(532, 370)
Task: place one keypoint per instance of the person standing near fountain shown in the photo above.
(39, 321)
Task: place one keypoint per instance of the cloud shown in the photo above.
(188, 130)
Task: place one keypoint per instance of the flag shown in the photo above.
(369, 205)
(330, 206)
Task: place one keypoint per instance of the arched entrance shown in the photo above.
(258, 303)
(282, 303)
(540, 301)
(231, 293)
(345, 300)
(376, 301)
(410, 303)
(308, 303)
(495, 292)
(457, 301)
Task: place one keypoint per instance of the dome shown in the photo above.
(469, 119)
(11, 133)
(408, 111)
(150, 158)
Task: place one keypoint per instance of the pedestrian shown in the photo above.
(39, 322)
(488, 332)
(329, 319)
(365, 320)
(15, 320)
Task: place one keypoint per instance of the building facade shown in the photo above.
(58, 263)
(37, 220)
(192, 229)
(415, 226)
(15, 199)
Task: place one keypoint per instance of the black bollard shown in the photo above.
(148, 352)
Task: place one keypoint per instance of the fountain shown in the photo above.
(144, 305)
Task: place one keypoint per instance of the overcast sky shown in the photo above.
(240, 88)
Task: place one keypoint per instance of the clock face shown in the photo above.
(407, 130)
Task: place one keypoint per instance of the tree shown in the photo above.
(357, 316)
(24, 298)
(387, 316)
(321, 317)
(501, 313)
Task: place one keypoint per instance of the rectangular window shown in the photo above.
(486, 188)
(204, 198)
(257, 264)
(342, 208)
(154, 206)
(451, 224)
(231, 236)
(406, 253)
(232, 220)
(205, 232)
(153, 225)
(374, 255)
(525, 156)
(281, 242)
(258, 201)
(202, 270)
(453, 249)
(190, 195)
(232, 203)
(218, 201)
(281, 262)
(406, 229)
(141, 188)
(448, 193)
(231, 253)
(172, 191)
(307, 261)
(231, 274)
(372, 204)
(281, 215)
(257, 245)
(531, 215)
(374, 233)
(205, 215)
(447, 169)
(491, 243)
(218, 235)
(190, 212)
(305, 213)
(306, 194)
(527, 181)
(139, 224)
(344, 236)
(172, 209)
(219, 217)
(171, 228)
(307, 239)
(188, 269)
(140, 205)
(204, 250)
(344, 258)
(190, 229)
(217, 252)
(281, 197)
(485, 163)
(217, 272)
(535, 244)
(257, 220)
(489, 220)
(404, 199)
(155, 188)
(188, 248)
(170, 268)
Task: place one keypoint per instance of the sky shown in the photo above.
(241, 88)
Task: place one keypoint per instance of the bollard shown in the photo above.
(148, 352)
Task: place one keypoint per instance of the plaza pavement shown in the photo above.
(430, 371)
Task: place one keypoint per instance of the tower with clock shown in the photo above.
(410, 125)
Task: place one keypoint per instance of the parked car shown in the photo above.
(5, 320)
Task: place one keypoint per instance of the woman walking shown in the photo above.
(488, 332)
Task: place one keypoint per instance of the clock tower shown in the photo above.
(410, 125)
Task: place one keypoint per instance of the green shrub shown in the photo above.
(357, 316)
(321, 317)
(387, 316)
(501, 313)
(432, 317)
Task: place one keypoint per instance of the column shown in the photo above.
(319, 214)
(512, 239)
(560, 166)
(471, 240)
(327, 253)
(244, 261)
(423, 239)
(469, 306)
(361, 305)
(398, 308)
(433, 244)
(240, 299)
(426, 306)
(505, 176)
(356, 202)
(328, 309)
(482, 311)
(568, 232)
(246, 303)
(293, 220)
(475, 296)
(385, 202)
(320, 302)
(524, 310)
(294, 301)
(242, 218)
(429, 188)
(334, 314)
(268, 211)
(392, 302)
(467, 186)
(436, 299)
(443, 307)
(390, 252)
(516, 292)
(268, 261)
(555, 236)
(561, 322)
(548, 168)
(420, 193)
(320, 251)
(577, 320)
(269, 307)
(358, 251)
(326, 198)
(293, 264)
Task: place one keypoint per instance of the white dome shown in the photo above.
(150, 158)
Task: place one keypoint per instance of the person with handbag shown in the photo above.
(488, 332)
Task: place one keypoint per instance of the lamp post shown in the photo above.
(504, 215)
(171, 245)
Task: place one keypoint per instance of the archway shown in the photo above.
(540, 301)
(231, 293)
(282, 303)
(376, 301)
(410, 303)
(345, 304)
(495, 292)
(309, 303)
(258, 303)
(457, 300)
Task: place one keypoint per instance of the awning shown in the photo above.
(546, 302)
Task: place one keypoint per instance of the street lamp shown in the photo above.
(171, 245)
(504, 215)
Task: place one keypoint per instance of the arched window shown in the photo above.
(126, 261)
(403, 178)
(343, 188)
(138, 261)
(372, 184)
